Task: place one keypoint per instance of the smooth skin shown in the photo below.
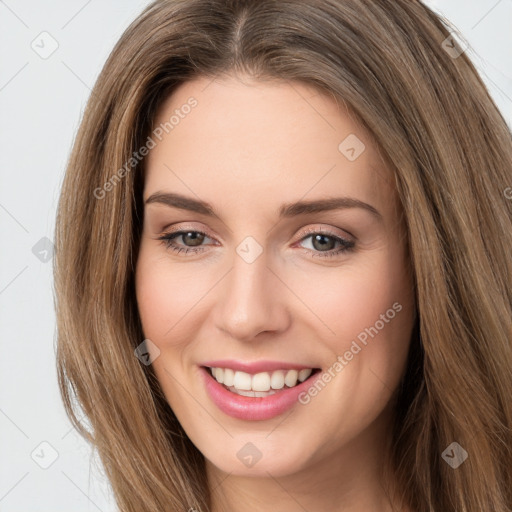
(247, 148)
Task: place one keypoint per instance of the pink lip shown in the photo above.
(254, 366)
(253, 408)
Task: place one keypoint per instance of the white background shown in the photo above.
(41, 103)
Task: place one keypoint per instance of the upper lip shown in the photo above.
(255, 366)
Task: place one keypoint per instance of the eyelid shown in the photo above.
(331, 231)
(346, 245)
(170, 230)
(312, 229)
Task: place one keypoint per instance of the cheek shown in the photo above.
(163, 299)
(154, 301)
(365, 312)
(165, 293)
(367, 315)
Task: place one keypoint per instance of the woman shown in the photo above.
(295, 215)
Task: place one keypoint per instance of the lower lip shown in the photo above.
(254, 408)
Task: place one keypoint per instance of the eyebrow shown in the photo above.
(286, 210)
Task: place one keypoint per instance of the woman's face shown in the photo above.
(279, 277)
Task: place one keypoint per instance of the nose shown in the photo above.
(252, 300)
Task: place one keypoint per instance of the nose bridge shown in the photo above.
(251, 301)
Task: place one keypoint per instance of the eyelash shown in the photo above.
(346, 245)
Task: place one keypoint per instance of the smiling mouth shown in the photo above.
(261, 384)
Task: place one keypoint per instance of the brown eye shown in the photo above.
(194, 237)
(190, 238)
(323, 243)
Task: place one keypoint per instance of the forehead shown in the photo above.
(263, 142)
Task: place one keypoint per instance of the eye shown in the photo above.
(323, 239)
(193, 236)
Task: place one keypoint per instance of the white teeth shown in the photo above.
(291, 378)
(242, 381)
(259, 384)
(277, 380)
(253, 394)
(303, 374)
(229, 377)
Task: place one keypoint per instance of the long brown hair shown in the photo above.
(451, 151)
